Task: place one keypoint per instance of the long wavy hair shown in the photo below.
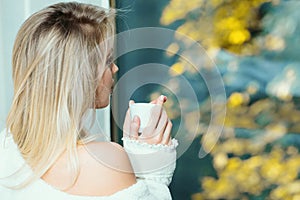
(59, 56)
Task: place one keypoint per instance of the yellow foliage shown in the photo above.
(220, 160)
(227, 24)
(290, 190)
(197, 196)
(177, 69)
(239, 114)
(219, 23)
(253, 175)
(172, 49)
(239, 37)
(189, 29)
(221, 188)
(263, 170)
(237, 99)
(177, 9)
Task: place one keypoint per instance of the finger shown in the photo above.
(155, 114)
(167, 134)
(134, 128)
(161, 99)
(126, 125)
(127, 121)
(161, 126)
(155, 101)
(154, 119)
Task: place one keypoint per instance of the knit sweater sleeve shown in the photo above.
(152, 163)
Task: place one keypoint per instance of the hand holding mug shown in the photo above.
(148, 122)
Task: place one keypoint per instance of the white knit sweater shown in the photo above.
(153, 165)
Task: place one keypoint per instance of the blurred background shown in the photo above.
(255, 46)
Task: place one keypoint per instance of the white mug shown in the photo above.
(143, 111)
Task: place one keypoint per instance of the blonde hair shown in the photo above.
(59, 57)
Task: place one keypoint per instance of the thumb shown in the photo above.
(127, 121)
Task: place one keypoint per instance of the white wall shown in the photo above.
(12, 15)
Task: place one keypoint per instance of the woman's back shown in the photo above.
(104, 170)
(103, 183)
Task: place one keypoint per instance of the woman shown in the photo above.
(62, 67)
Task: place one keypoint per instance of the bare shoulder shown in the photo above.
(109, 154)
(104, 170)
